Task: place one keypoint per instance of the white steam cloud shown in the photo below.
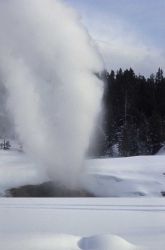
(47, 63)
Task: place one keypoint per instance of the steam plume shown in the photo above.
(47, 63)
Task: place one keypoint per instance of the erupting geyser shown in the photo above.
(47, 63)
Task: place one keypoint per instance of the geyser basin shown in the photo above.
(47, 63)
(46, 189)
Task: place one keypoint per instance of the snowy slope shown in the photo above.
(113, 177)
(126, 177)
(82, 223)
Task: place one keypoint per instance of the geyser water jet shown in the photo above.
(47, 63)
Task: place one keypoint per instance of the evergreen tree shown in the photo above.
(134, 113)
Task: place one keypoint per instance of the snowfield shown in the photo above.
(113, 177)
(86, 223)
(82, 224)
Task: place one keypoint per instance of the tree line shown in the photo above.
(134, 114)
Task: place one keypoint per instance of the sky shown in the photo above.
(128, 33)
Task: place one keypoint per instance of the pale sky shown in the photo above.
(129, 33)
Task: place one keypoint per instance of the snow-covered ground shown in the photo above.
(118, 177)
(17, 170)
(126, 177)
(86, 223)
(82, 224)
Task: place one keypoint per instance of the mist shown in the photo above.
(48, 63)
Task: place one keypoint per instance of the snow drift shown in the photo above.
(69, 242)
(48, 64)
(136, 176)
(105, 242)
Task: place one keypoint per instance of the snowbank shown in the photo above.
(126, 177)
(105, 242)
(113, 177)
(69, 242)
